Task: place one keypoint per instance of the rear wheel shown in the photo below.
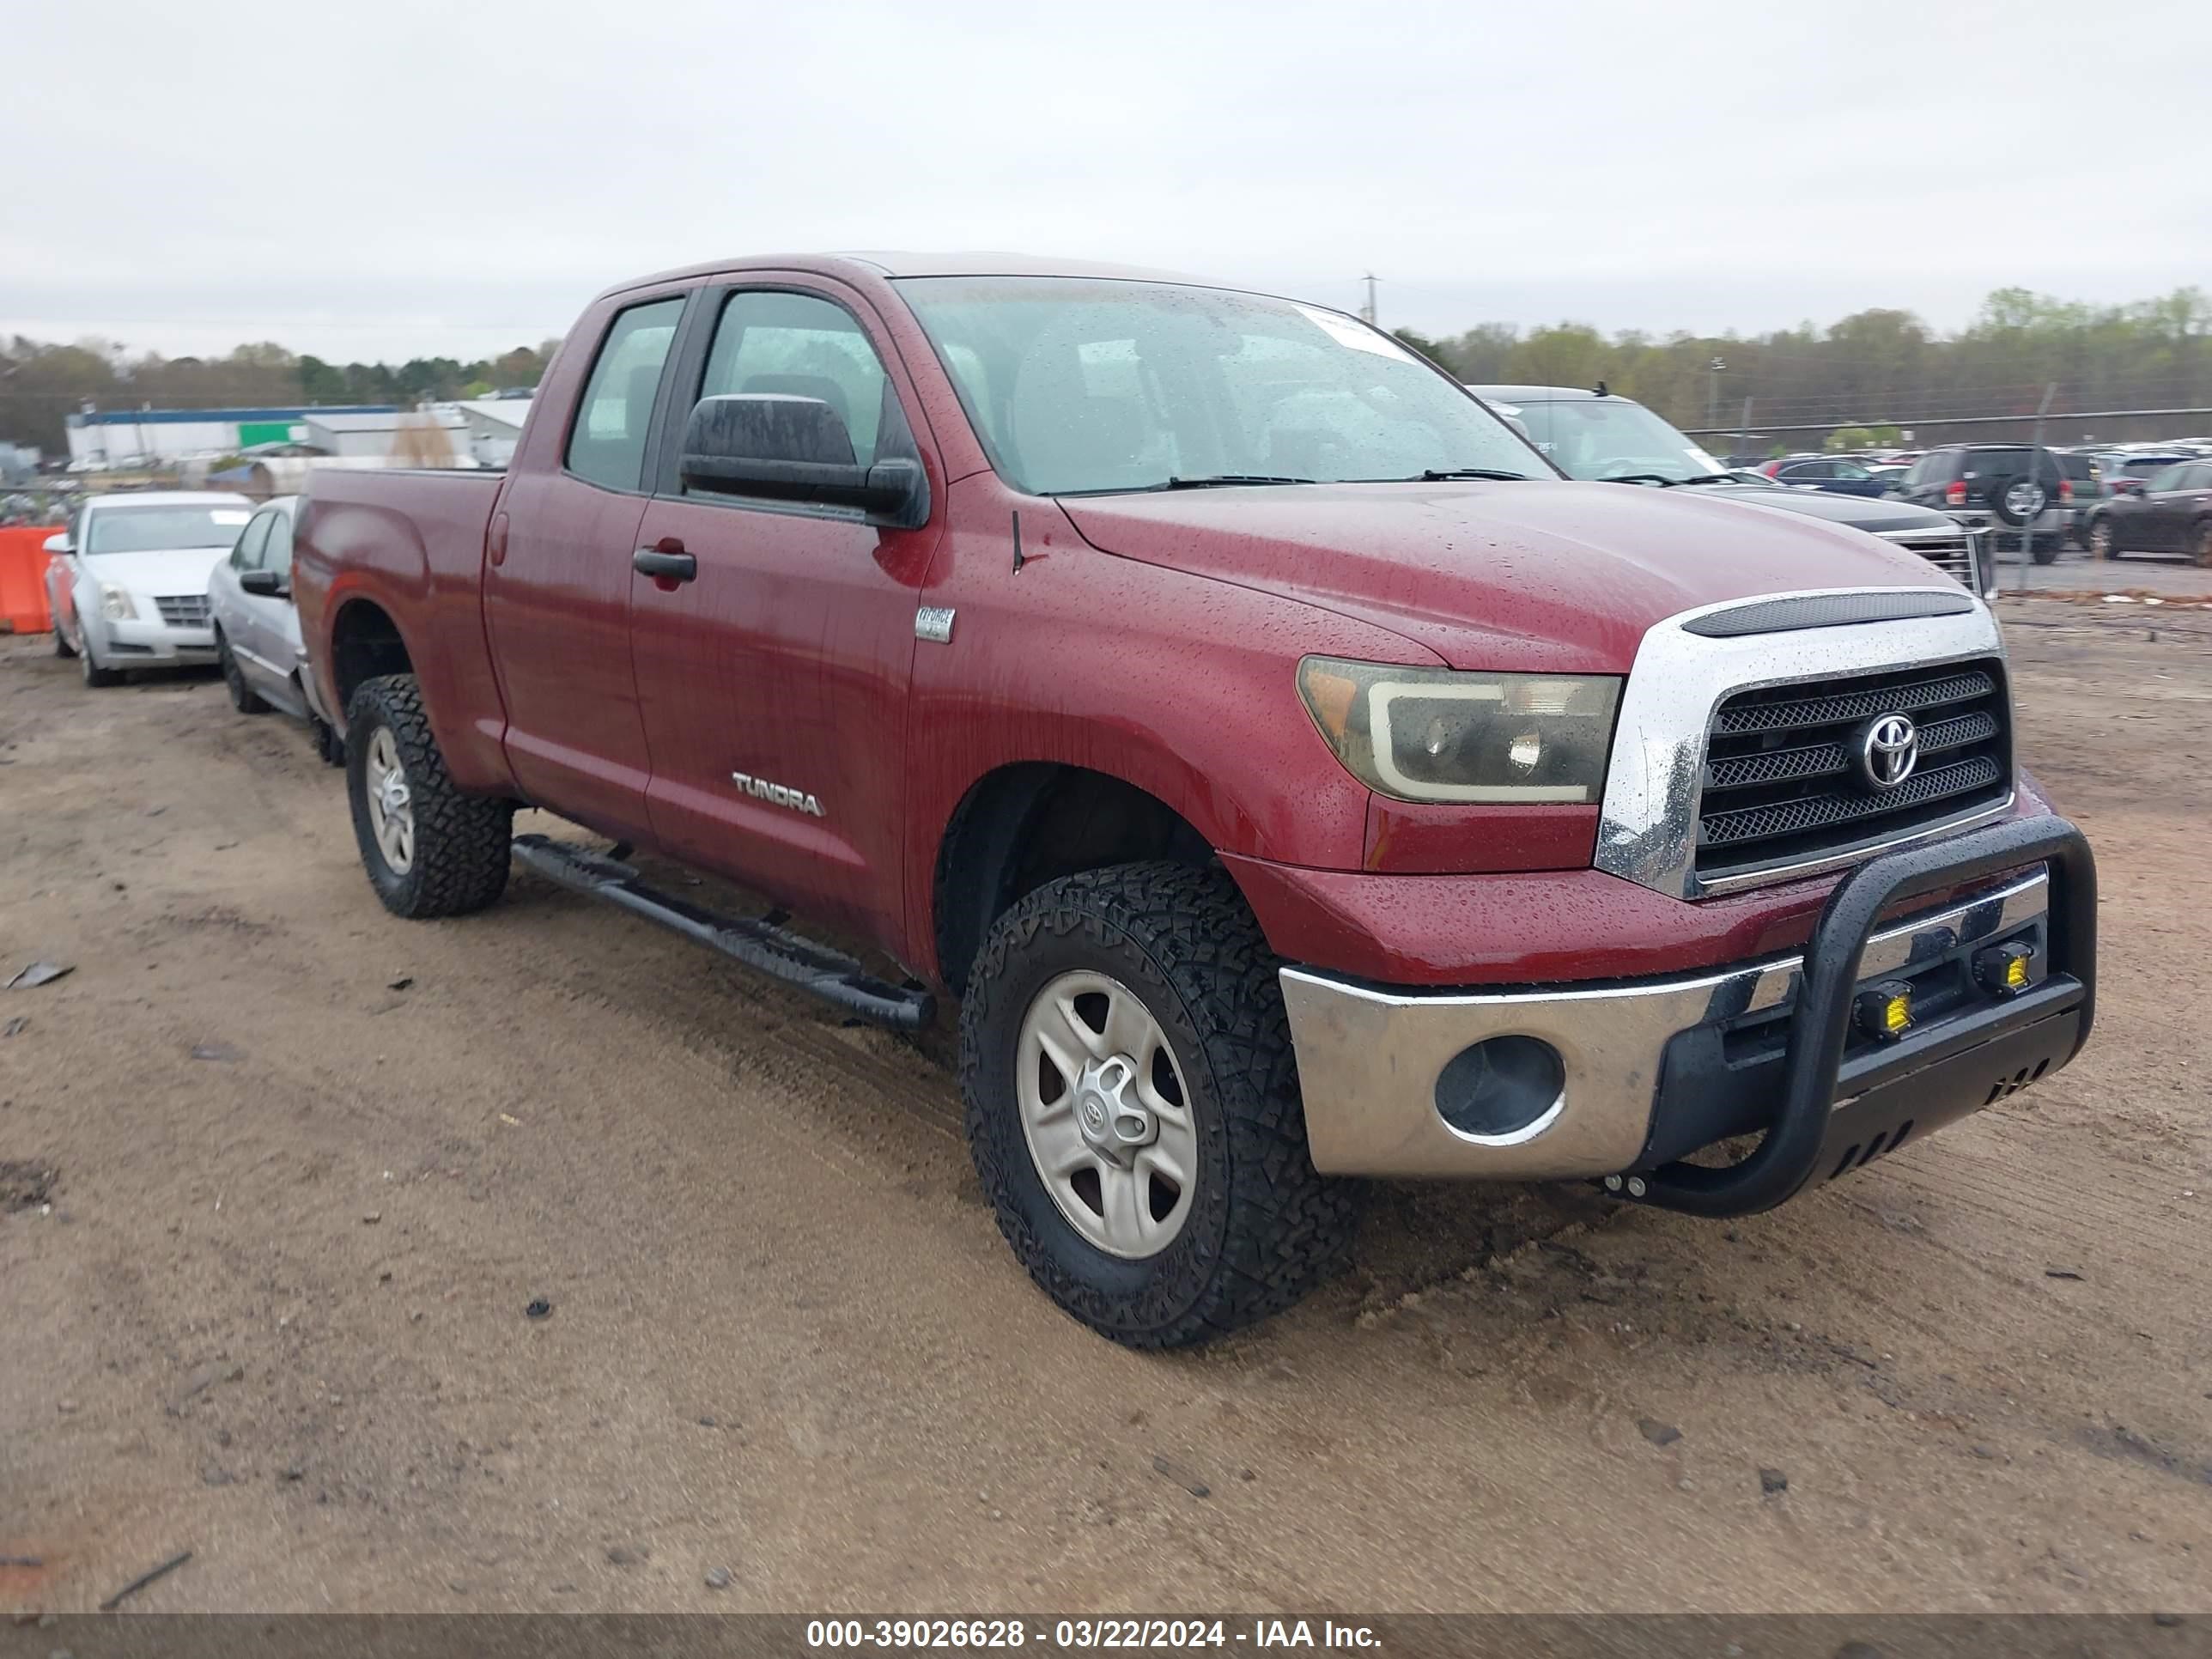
(1133, 1107)
(2200, 542)
(429, 849)
(329, 747)
(243, 697)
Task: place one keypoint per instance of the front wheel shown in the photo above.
(429, 849)
(97, 677)
(243, 697)
(1133, 1107)
(2103, 544)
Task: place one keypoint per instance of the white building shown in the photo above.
(495, 425)
(423, 437)
(106, 437)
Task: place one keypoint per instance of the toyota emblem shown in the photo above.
(1889, 748)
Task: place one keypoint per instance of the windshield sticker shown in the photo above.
(1345, 331)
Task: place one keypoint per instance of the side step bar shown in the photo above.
(756, 942)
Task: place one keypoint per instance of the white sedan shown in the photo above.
(257, 631)
(128, 580)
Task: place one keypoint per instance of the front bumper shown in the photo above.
(1656, 1069)
(139, 641)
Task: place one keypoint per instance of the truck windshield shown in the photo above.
(1609, 437)
(161, 529)
(1080, 386)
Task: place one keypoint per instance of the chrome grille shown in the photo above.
(1783, 783)
(1950, 549)
(183, 610)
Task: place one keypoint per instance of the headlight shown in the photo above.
(1429, 734)
(115, 602)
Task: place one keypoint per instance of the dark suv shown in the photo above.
(2002, 489)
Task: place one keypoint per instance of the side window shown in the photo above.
(1920, 471)
(1850, 469)
(277, 555)
(606, 446)
(246, 554)
(2169, 478)
(801, 347)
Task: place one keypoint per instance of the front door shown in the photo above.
(774, 681)
(557, 583)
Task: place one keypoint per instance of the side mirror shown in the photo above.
(58, 543)
(783, 448)
(267, 583)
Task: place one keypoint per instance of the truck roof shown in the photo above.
(880, 264)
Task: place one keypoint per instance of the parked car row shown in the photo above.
(178, 577)
(1601, 435)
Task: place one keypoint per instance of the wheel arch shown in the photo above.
(365, 643)
(1027, 822)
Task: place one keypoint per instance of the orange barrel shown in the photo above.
(23, 578)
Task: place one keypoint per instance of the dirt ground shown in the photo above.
(284, 1174)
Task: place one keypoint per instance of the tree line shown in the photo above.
(1875, 368)
(42, 383)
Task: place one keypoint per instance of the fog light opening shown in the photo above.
(1502, 1091)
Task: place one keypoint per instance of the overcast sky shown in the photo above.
(389, 180)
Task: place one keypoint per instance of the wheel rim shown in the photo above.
(2101, 541)
(1106, 1115)
(391, 804)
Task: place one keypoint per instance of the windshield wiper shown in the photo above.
(1664, 482)
(1223, 480)
(1437, 474)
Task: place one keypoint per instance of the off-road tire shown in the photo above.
(63, 648)
(329, 747)
(1264, 1226)
(461, 841)
(243, 697)
(99, 679)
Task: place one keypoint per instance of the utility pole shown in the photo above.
(1713, 391)
(2034, 478)
(1368, 311)
(1743, 432)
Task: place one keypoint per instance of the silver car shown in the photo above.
(257, 630)
(127, 579)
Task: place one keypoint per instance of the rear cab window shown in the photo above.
(606, 445)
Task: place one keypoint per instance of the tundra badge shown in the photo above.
(776, 795)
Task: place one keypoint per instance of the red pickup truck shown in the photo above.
(1293, 776)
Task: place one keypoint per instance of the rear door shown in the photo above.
(774, 683)
(557, 579)
(2163, 521)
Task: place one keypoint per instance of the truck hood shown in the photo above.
(157, 575)
(1860, 512)
(1530, 577)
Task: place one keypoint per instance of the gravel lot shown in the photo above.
(268, 1303)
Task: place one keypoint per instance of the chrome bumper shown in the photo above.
(1369, 1058)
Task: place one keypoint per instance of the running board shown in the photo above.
(756, 942)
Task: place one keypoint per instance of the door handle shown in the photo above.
(665, 562)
